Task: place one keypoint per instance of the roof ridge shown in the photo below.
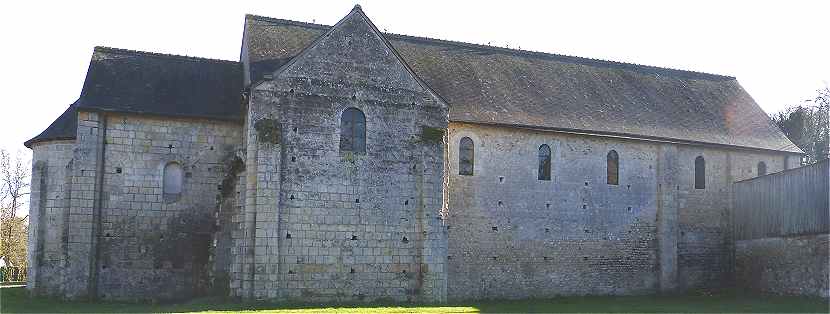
(579, 59)
(161, 55)
(284, 21)
(531, 53)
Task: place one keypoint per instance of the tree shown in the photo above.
(807, 125)
(14, 177)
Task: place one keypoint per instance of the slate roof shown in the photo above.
(485, 84)
(128, 81)
(63, 128)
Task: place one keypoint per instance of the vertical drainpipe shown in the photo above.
(97, 208)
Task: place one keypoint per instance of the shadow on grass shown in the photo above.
(16, 300)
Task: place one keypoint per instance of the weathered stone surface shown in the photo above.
(297, 219)
(49, 215)
(514, 236)
(348, 226)
(797, 265)
(272, 208)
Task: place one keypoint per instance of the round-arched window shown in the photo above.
(762, 168)
(353, 131)
(466, 157)
(612, 168)
(172, 181)
(544, 162)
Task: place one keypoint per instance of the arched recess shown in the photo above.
(466, 157)
(700, 173)
(172, 182)
(612, 161)
(762, 168)
(353, 131)
(544, 162)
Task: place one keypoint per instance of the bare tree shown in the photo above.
(14, 177)
(807, 125)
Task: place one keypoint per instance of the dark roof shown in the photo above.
(151, 83)
(129, 81)
(485, 84)
(63, 128)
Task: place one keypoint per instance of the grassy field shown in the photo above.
(16, 300)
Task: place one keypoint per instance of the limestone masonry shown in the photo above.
(340, 163)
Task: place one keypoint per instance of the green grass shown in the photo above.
(16, 300)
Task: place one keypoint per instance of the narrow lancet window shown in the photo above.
(353, 131)
(700, 173)
(466, 157)
(544, 162)
(613, 168)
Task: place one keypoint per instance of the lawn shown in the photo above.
(16, 300)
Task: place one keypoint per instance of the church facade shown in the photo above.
(341, 163)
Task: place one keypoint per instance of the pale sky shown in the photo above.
(779, 51)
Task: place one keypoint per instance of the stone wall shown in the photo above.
(329, 225)
(705, 247)
(123, 238)
(514, 236)
(48, 216)
(299, 219)
(798, 265)
(154, 245)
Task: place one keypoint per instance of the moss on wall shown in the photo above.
(268, 131)
(432, 135)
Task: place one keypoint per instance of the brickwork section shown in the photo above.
(785, 266)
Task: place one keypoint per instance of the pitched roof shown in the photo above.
(63, 128)
(151, 83)
(485, 84)
(129, 81)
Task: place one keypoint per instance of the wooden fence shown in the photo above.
(12, 274)
(791, 202)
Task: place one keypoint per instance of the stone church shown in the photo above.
(341, 163)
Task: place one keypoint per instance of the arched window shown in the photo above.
(353, 131)
(466, 157)
(762, 168)
(172, 181)
(544, 162)
(613, 168)
(700, 173)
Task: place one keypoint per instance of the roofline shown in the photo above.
(164, 115)
(160, 55)
(400, 58)
(32, 142)
(620, 135)
(520, 52)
